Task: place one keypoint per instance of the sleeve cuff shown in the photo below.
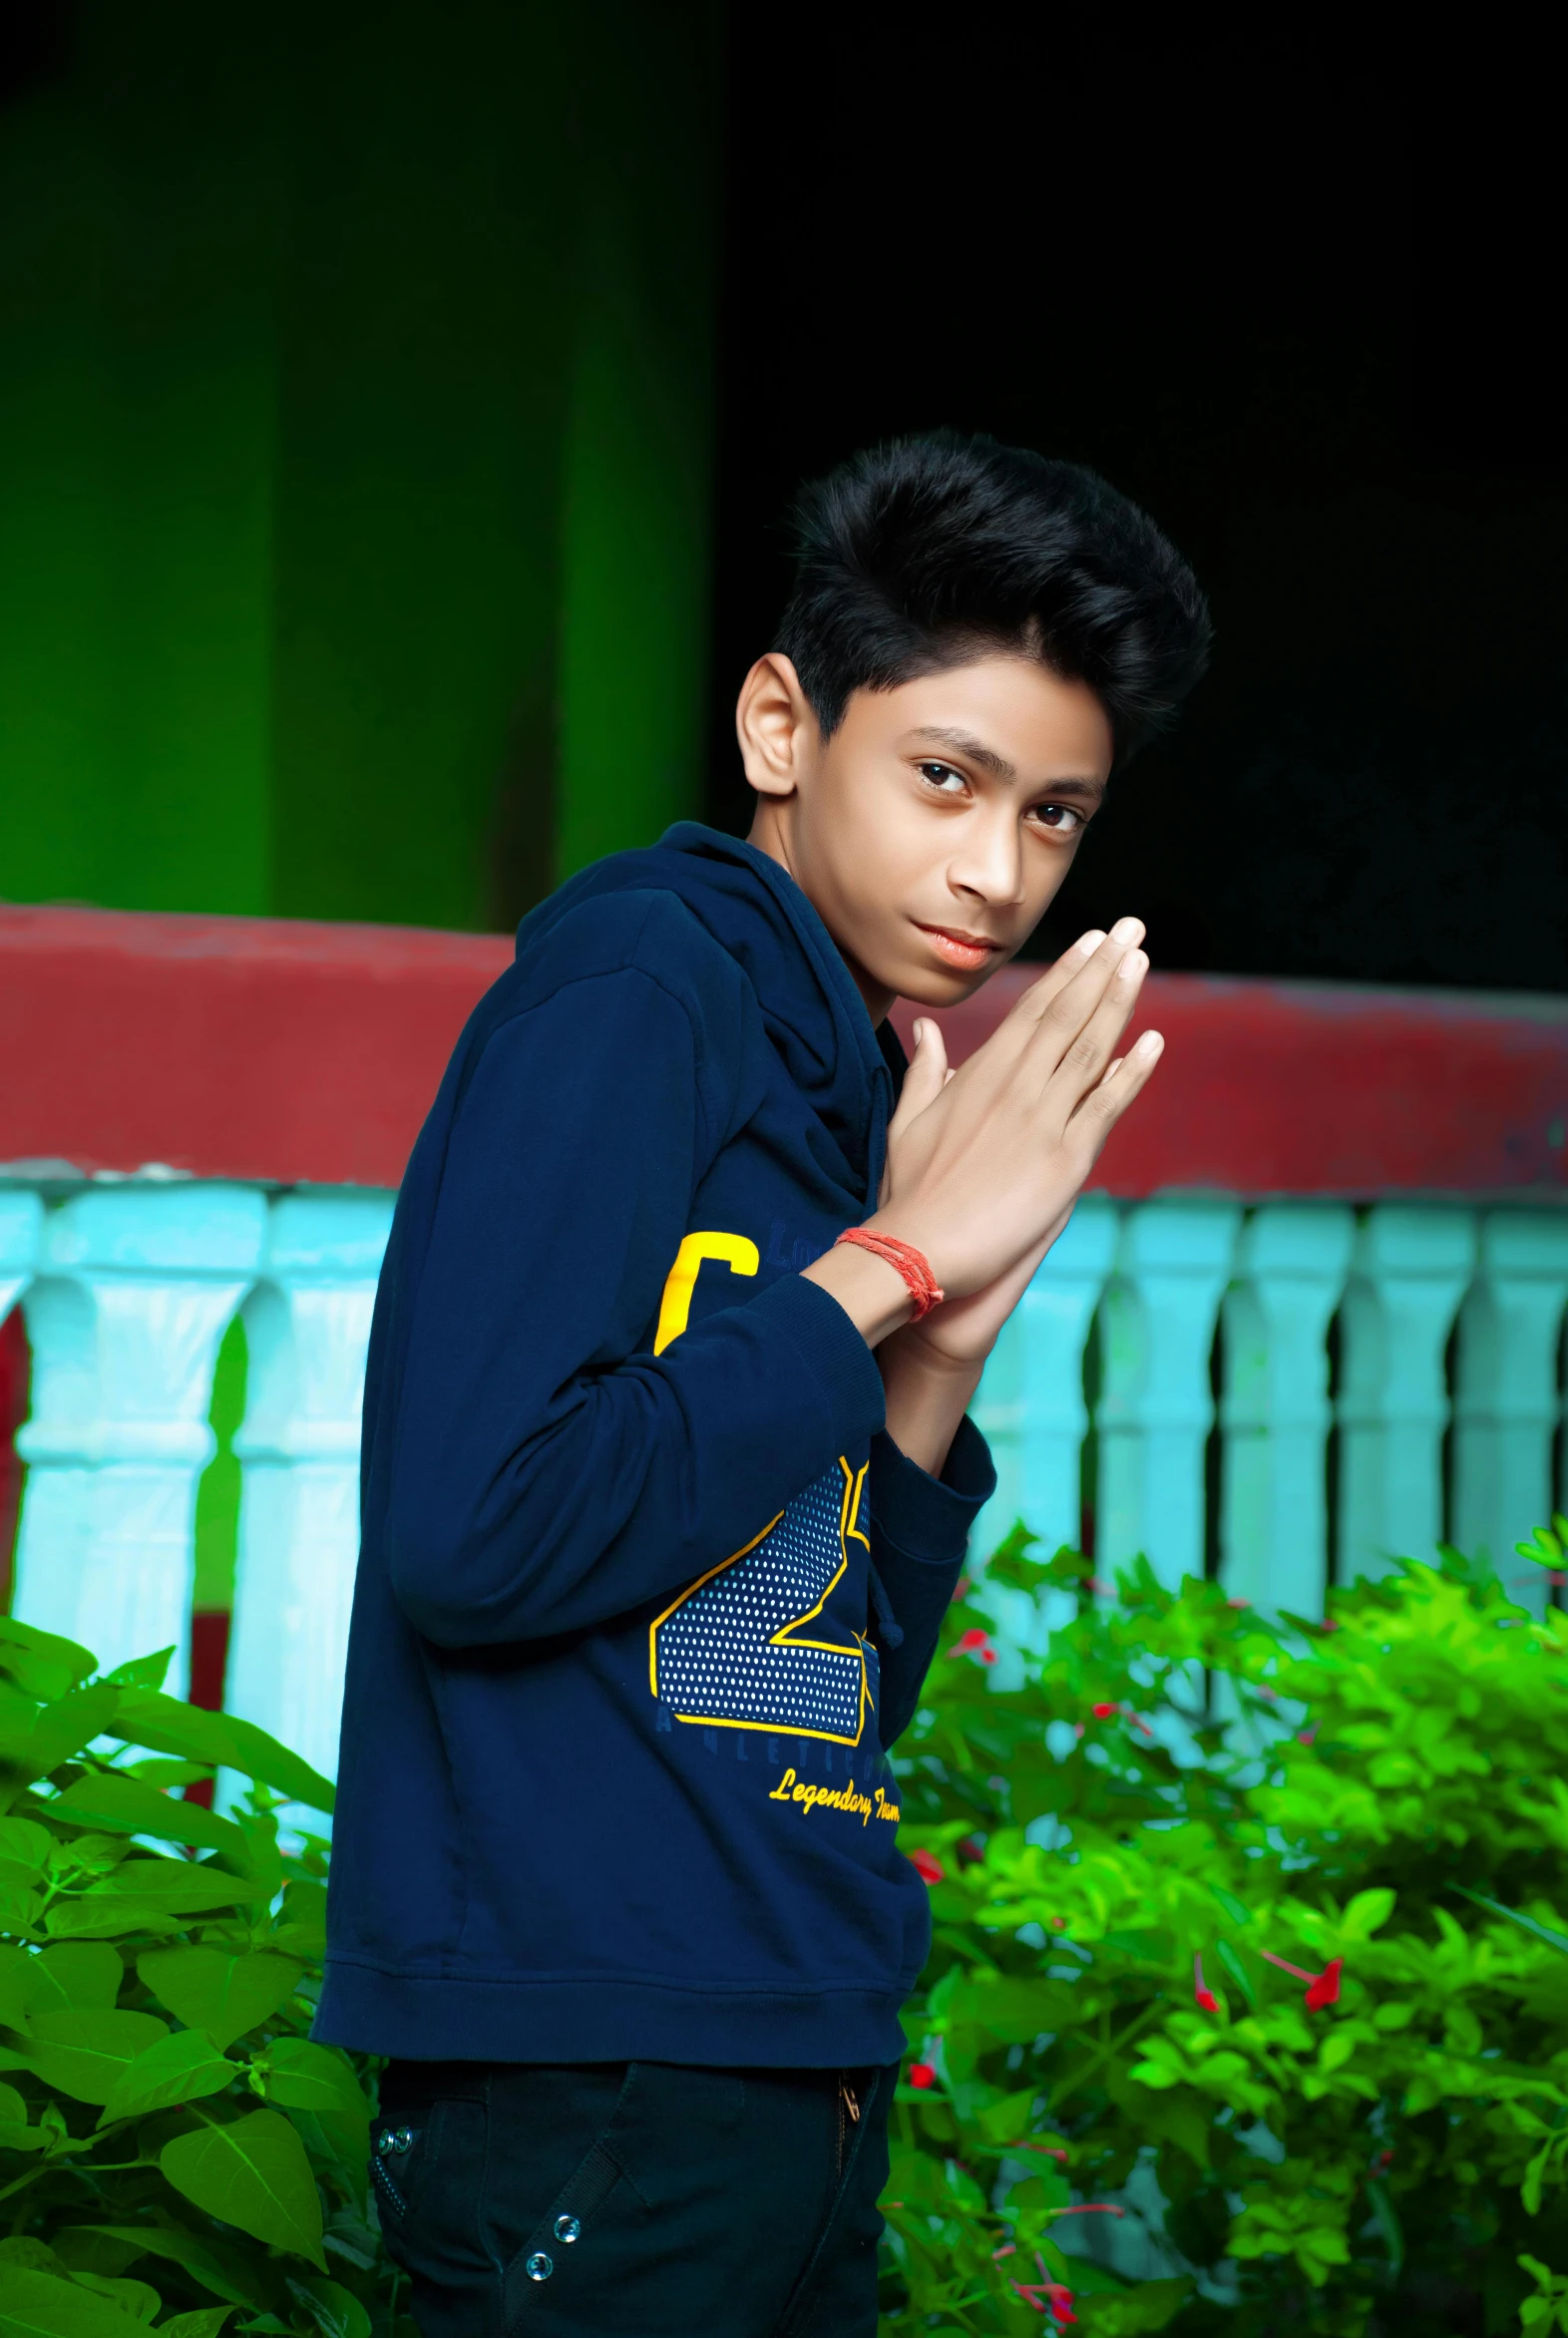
(928, 1517)
(832, 1349)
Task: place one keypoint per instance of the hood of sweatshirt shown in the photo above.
(811, 1010)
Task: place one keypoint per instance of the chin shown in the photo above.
(939, 986)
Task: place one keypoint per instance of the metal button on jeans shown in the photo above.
(567, 2228)
(539, 2266)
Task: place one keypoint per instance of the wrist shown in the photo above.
(873, 1293)
(926, 1395)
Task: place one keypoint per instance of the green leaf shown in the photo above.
(85, 1976)
(203, 2321)
(1237, 1910)
(305, 2077)
(84, 2054)
(163, 1725)
(337, 2310)
(181, 2068)
(253, 2174)
(1543, 1932)
(24, 1842)
(129, 1806)
(133, 2297)
(1226, 1955)
(179, 1885)
(302, 1929)
(218, 2265)
(42, 2305)
(60, 1730)
(222, 1993)
(143, 1672)
(46, 1666)
(110, 1917)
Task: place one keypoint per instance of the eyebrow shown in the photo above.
(998, 766)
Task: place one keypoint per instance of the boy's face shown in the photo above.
(932, 831)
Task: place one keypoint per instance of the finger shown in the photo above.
(1094, 945)
(1123, 1082)
(926, 1077)
(1078, 1032)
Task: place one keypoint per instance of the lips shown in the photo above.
(966, 953)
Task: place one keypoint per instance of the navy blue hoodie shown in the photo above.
(645, 1591)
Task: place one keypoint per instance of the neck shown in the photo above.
(770, 834)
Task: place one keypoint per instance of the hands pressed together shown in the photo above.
(984, 1167)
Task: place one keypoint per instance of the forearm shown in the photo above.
(927, 1394)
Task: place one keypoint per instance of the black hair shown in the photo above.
(929, 551)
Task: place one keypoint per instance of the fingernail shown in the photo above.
(1089, 943)
(920, 1033)
(1133, 963)
(1127, 929)
(1151, 1044)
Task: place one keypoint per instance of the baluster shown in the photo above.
(1409, 1270)
(1505, 1397)
(307, 1325)
(1033, 1411)
(21, 1228)
(135, 1287)
(1157, 1406)
(1290, 1265)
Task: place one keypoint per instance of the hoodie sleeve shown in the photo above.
(920, 1530)
(546, 1475)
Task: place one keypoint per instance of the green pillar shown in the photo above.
(638, 492)
(354, 445)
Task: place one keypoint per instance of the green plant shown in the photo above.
(172, 2143)
(1249, 1933)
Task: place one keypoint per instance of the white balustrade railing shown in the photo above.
(1166, 1350)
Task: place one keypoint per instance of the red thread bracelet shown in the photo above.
(910, 1263)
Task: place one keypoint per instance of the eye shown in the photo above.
(944, 778)
(1061, 819)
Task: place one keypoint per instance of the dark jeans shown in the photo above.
(634, 2199)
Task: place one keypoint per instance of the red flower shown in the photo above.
(921, 2074)
(1058, 1923)
(1044, 2293)
(988, 1654)
(1202, 1994)
(931, 1871)
(963, 1585)
(970, 1642)
(1322, 1988)
(1104, 1711)
(1326, 1989)
(971, 1850)
(1307, 1736)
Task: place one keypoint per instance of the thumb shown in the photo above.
(927, 1075)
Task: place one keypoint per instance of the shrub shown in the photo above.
(1272, 1973)
(1247, 2009)
(172, 2143)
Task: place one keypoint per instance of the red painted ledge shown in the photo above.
(266, 1048)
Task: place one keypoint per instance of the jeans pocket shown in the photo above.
(427, 2167)
(566, 2226)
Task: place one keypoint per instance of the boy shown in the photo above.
(667, 1474)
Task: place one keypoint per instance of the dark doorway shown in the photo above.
(1298, 306)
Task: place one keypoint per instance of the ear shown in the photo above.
(775, 725)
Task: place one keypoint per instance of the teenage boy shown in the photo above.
(667, 1474)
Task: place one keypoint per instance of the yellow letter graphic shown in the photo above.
(739, 1255)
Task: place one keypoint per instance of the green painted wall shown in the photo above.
(354, 451)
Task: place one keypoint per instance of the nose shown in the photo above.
(989, 865)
